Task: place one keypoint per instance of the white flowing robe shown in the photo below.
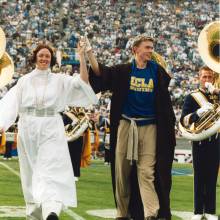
(45, 165)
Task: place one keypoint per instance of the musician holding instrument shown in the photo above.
(71, 119)
(46, 173)
(200, 123)
(205, 152)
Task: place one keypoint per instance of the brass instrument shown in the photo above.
(209, 45)
(6, 63)
(209, 49)
(205, 127)
(79, 124)
(2, 42)
(159, 59)
(208, 119)
(217, 81)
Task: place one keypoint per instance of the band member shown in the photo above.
(206, 152)
(11, 141)
(87, 149)
(104, 126)
(142, 132)
(75, 148)
(94, 135)
(46, 173)
(106, 139)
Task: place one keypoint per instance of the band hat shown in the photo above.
(209, 45)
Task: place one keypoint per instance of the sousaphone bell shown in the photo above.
(6, 63)
(209, 45)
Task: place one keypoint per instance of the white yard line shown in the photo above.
(73, 214)
(105, 213)
(10, 169)
(69, 212)
(111, 213)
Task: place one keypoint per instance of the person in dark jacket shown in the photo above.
(205, 152)
(75, 149)
(142, 135)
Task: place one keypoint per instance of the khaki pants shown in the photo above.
(145, 169)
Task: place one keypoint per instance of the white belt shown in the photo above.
(46, 112)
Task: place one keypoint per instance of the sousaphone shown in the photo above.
(6, 63)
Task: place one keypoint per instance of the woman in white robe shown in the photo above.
(45, 167)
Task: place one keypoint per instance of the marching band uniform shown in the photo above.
(107, 140)
(94, 134)
(75, 149)
(205, 155)
(45, 166)
(87, 149)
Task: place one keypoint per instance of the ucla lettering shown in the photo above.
(139, 85)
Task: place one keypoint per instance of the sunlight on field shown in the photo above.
(94, 193)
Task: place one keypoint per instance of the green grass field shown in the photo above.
(94, 190)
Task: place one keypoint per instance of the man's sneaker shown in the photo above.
(52, 216)
(211, 217)
(197, 217)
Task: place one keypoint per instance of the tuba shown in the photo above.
(207, 125)
(6, 63)
(209, 50)
(79, 123)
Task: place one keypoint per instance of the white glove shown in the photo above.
(204, 109)
(209, 87)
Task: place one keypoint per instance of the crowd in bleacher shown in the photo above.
(109, 24)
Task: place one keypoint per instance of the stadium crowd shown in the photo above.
(109, 24)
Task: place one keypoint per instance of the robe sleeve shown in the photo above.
(77, 92)
(105, 80)
(166, 76)
(9, 108)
